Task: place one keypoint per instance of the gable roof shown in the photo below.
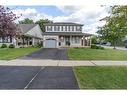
(26, 27)
(63, 23)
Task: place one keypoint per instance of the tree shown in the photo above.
(116, 26)
(7, 26)
(26, 21)
(41, 23)
(94, 39)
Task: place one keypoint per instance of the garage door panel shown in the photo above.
(50, 43)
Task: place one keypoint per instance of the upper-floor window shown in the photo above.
(70, 28)
(63, 28)
(66, 28)
(56, 28)
(78, 28)
(49, 28)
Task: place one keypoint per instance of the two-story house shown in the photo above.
(63, 34)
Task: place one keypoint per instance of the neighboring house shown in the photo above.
(30, 34)
(64, 34)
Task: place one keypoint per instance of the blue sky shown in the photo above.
(50, 10)
(87, 15)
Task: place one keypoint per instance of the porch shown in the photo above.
(74, 40)
(25, 41)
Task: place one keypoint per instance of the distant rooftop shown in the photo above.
(63, 23)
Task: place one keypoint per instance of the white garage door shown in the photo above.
(50, 43)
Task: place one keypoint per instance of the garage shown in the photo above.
(50, 43)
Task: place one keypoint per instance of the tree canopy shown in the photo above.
(41, 23)
(7, 24)
(26, 21)
(116, 25)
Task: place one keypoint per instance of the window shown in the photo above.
(78, 28)
(57, 28)
(54, 28)
(7, 39)
(63, 28)
(70, 28)
(75, 40)
(49, 28)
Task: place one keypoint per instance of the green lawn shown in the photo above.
(102, 77)
(96, 54)
(8, 54)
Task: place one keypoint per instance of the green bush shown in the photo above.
(38, 45)
(96, 47)
(101, 47)
(93, 46)
(3, 46)
(11, 46)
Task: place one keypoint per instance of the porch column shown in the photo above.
(90, 40)
(23, 40)
(87, 41)
(33, 40)
(70, 40)
(83, 41)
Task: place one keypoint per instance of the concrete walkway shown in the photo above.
(20, 62)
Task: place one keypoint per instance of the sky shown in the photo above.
(87, 15)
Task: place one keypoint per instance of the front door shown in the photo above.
(67, 40)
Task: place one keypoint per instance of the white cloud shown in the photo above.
(87, 15)
(27, 11)
(69, 9)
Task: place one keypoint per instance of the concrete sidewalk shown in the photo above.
(20, 62)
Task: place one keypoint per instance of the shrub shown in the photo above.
(96, 47)
(101, 47)
(3, 46)
(93, 46)
(38, 45)
(11, 46)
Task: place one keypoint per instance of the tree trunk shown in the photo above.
(3, 40)
(114, 45)
(23, 40)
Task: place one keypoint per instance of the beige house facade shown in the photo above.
(65, 35)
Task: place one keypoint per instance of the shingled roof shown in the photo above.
(26, 27)
(63, 23)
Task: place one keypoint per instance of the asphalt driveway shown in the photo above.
(48, 53)
(13, 77)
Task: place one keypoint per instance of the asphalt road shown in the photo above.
(13, 77)
(48, 53)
